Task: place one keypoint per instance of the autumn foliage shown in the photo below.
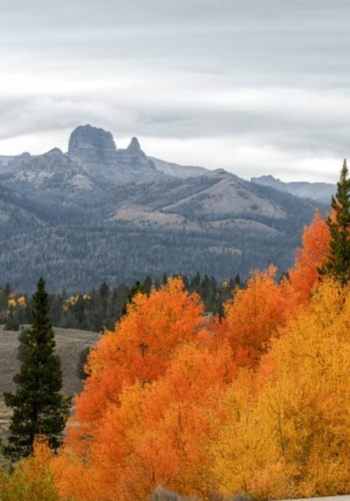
(158, 434)
(310, 258)
(32, 479)
(140, 349)
(252, 317)
(287, 433)
(256, 402)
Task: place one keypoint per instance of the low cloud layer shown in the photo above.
(254, 87)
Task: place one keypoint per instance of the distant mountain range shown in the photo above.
(99, 212)
(321, 192)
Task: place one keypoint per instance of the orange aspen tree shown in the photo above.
(159, 432)
(305, 275)
(140, 348)
(252, 317)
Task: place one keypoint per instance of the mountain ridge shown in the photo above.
(321, 192)
(99, 212)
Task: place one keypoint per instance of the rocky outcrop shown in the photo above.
(98, 212)
(91, 145)
(134, 160)
(95, 149)
(134, 147)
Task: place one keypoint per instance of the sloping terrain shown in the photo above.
(70, 342)
(176, 170)
(102, 213)
(321, 192)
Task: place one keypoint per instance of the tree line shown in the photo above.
(103, 306)
(254, 401)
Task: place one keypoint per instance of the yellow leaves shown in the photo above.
(307, 407)
(11, 303)
(166, 404)
(74, 479)
(74, 299)
(21, 301)
(16, 301)
(288, 436)
(162, 415)
(32, 478)
(243, 450)
(177, 412)
(225, 284)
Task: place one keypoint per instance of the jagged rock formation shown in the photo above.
(95, 148)
(101, 212)
(135, 161)
(92, 146)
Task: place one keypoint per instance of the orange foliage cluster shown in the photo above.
(253, 316)
(313, 255)
(140, 349)
(257, 401)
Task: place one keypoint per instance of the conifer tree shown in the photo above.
(135, 289)
(38, 406)
(338, 264)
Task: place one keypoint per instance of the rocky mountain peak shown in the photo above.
(133, 160)
(134, 146)
(92, 145)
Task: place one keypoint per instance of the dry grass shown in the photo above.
(70, 342)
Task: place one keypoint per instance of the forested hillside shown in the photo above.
(254, 402)
(99, 212)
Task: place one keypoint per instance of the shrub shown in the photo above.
(11, 324)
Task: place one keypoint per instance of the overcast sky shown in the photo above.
(254, 86)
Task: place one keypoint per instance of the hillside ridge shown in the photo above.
(100, 212)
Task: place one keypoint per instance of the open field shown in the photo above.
(70, 342)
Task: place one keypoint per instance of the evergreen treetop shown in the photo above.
(338, 264)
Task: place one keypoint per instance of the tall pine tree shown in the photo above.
(38, 406)
(338, 264)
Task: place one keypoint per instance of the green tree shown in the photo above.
(38, 406)
(147, 285)
(338, 264)
(22, 345)
(83, 357)
(12, 323)
(135, 289)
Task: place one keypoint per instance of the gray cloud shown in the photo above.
(252, 86)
